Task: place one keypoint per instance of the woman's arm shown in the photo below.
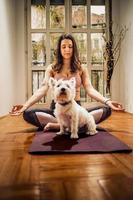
(92, 92)
(41, 92)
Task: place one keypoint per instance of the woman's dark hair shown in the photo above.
(75, 62)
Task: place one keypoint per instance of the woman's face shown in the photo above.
(66, 48)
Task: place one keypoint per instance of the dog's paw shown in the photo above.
(74, 136)
(60, 133)
(91, 132)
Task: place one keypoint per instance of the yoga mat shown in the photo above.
(102, 142)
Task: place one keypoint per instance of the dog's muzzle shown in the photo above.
(63, 91)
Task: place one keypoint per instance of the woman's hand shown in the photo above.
(18, 109)
(115, 105)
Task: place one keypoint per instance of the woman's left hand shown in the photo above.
(115, 105)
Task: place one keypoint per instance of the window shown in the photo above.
(48, 19)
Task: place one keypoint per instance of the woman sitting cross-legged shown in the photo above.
(67, 65)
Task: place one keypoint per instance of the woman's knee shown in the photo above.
(30, 117)
(27, 115)
(109, 111)
(106, 113)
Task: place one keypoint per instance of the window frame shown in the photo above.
(68, 28)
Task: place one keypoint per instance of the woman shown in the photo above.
(67, 65)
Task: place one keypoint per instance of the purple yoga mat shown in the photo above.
(102, 142)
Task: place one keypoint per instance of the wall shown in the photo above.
(7, 55)
(122, 80)
(21, 70)
(12, 58)
(126, 59)
(115, 81)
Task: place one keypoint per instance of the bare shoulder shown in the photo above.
(48, 74)
(49, 71)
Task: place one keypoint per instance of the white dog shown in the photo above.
(70, 115)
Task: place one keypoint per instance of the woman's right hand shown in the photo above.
(17, 109)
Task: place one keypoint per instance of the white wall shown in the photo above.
(12, 49)
(122, 80)
(7, 55)
(115, 81)
(21, 69)
(126, 59)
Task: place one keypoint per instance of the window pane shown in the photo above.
(38, 49)
(78, 2)
(57, 16)
(98, 17)
(97, 2)
(56, 2)
(38, 15)
(97, 80)
(37, 79)
(79, 16)
(81, 39)
(97, 48)
(53, 43)
(83, 94)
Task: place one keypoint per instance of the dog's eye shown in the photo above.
(58, 85)
(68, 86)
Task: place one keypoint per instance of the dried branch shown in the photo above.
(112, 51)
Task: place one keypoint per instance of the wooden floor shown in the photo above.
(64, 177)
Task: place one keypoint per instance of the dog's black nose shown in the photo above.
(63, 89)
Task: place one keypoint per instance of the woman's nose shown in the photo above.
(67, 49)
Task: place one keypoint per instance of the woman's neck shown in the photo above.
(66, 64)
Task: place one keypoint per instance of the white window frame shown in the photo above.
(68, 28)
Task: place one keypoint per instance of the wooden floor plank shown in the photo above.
(121, 162)
(120, 189)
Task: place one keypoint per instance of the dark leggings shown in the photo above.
(30, 114)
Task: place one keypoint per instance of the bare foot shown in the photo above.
(51, 126)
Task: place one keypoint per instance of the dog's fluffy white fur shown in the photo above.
(70, 115)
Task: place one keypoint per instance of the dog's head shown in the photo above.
(64, 90)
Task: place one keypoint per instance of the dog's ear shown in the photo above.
(73, 82)
(52, 82)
